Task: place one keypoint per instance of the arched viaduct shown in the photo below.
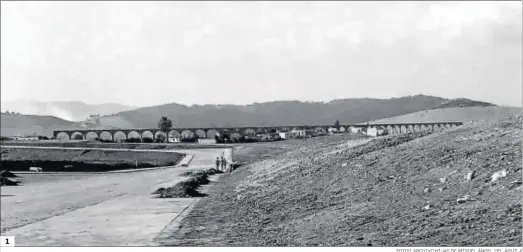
(112, 134)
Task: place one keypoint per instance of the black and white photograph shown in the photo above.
(373, 125)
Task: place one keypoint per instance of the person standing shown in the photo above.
(224, 164)
(217, 163)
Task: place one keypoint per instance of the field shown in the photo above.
(458, 187)
(95, 144)
(20, 159)
(455, 115)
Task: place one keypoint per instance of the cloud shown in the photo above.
(290, 38)
(190, 38)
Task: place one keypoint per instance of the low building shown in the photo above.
(372, 131)
(206, 141)
(284, 135)
(376, 131)
(293, 134)
(333, 130)
(356, 130)
(174, 140)
(25, 138)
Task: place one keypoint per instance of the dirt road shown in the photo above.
(113, 209)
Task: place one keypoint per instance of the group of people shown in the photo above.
(221, 164)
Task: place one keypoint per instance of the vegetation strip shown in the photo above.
(188, 188)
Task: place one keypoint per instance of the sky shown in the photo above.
(148, 53)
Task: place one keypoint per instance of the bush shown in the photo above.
(161, 138)
(133, 140)
(147, 140)
(189, 140)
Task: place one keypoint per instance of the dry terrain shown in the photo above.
(104, 209)
(96, 144)
(466, 114)
(92, 156)
(54, 159)
(458, 187)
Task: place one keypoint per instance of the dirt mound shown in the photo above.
(459, 187)
(7, 174)
(188, 188)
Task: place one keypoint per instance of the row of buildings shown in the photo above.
(369, 131)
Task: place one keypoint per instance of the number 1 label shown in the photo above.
(7, 241)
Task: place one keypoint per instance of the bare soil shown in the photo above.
(413, 190)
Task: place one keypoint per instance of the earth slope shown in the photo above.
(24, 125)
(455, 115)
(390, 191)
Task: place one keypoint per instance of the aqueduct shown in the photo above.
(113, 134)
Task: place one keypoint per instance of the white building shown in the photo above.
(356, 130)
(372, 131)
(293, 134)
(174, 139)
(25, 138)
(333, 130)
(206, 141)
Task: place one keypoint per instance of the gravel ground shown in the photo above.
(414, 190)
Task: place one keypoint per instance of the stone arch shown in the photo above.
(91, 135)
(260, 131)
(389, 129)
(187, 134)
(62, 136)
(249, 132)
(77, 136)
(133, 135)
(403, 129)
(119, 136)
(319, 129)
(417, 128)
(174, 134)
(106, 135)
(212, 133)
(342, 129)
(200, 133)
(147, 134)
(235, 136)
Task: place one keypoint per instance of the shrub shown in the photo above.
(133, 140)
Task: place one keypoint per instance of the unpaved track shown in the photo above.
(95, 209)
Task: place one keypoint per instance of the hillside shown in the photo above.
(70, 111)
(274, 113)
(409, 190)
(259, 114)
(462, 102)
(24, 125)
(455, 114)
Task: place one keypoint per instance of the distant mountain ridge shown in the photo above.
(28, 125)
(277, 113)
(70, 111)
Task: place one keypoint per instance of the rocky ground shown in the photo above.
(459, 187)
